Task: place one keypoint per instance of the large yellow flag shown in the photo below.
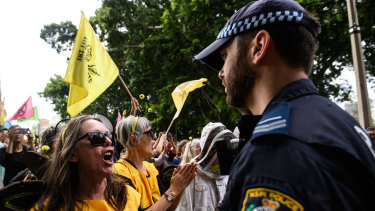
(90, 70)
(181, 92)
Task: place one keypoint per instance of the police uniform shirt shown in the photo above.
(305, 153)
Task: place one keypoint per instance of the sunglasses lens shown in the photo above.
(97, 138)
(151, 132)
(110, 136)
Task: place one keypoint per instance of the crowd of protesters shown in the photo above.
(291, 150)
(82, 171)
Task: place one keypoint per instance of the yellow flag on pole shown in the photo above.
(181, 92)
(90, 70)
(2, 120)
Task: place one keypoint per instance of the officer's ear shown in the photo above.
(260, 46)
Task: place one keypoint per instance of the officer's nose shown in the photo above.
(221, 73)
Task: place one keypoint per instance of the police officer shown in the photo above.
(303, 152)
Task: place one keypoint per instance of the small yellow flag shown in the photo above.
(181, 92)
(2, 120)
(90, 70)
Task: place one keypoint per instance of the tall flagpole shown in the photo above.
(364, 113)
(126, 87)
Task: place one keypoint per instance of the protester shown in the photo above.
(180, 151)
(48, 141)
(208, 188)
(4, 138)
(164, 165)
(47, 146)
(11, 157)
(305, 152)
(192, 149)
(3, 143)
(165, 152)
(136, 135)
(371, 133)
(79, 176)
(119, 149)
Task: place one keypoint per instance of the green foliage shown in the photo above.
(334, 52)
(59, 36)
(57, 91)
(153, 43)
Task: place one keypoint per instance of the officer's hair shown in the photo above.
(293, 42)
(371, 128)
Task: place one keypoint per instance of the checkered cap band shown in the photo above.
(259, 20)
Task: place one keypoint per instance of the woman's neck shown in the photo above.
(134, 157)
(91, 188)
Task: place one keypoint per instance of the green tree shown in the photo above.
(153, 43)
(57, 91)
(59, 36)
(334, 52)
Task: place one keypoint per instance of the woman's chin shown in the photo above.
(107, 171)
(149, 154)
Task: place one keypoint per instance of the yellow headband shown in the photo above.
(62, 137)
(134, 124)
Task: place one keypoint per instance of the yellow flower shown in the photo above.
(149, 110)
(141, 96)
(45, 148)
(190, 138)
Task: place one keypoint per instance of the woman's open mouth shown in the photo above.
(108, 155)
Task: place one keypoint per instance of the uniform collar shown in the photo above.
(247, 123)
(293, 90)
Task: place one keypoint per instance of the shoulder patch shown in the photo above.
(274, 121)
(267, 199)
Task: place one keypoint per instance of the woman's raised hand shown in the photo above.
(182, 176)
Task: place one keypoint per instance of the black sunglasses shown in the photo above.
(150, 132)
(97, 138)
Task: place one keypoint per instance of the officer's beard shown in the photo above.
(241, 82)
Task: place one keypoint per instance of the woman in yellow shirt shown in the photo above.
(79, 176)
(136, 135)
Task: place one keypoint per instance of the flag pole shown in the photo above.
(123, 83)
(125, 86)
(169, 127)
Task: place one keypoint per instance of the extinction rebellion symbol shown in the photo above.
(22, 110)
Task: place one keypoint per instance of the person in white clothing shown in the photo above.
(208, 188)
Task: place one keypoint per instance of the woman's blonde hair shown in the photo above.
(189, 152)
(61, 177)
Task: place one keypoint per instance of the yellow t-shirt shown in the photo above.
(146, 186)
(132, 203)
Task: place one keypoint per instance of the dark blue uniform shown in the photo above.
(305, 153)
